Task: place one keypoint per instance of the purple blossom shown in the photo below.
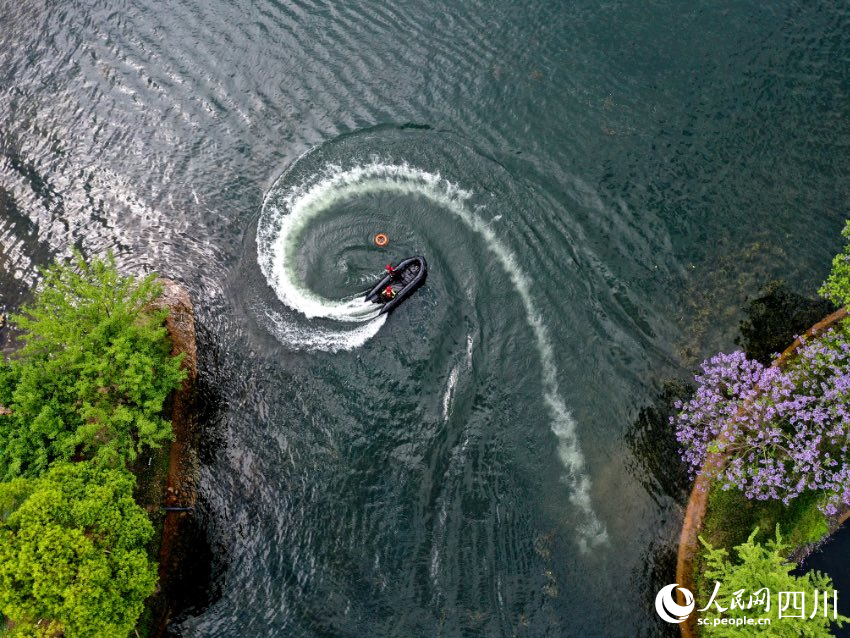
(781, 432)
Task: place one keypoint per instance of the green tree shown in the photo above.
(836, 288)
(93, 373)
(765, 566)
(72, 553)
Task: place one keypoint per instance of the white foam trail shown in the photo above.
(450, 391)
(318, 339)
(278, 235)
(448, 397)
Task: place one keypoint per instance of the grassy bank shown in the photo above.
(730, 518)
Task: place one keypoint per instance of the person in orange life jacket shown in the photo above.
(388, 293)
(390, 271)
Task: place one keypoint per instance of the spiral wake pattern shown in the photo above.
(287, 214)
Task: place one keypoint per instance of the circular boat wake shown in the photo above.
(351, 322)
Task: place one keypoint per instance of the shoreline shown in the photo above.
(169, 478)
(697, 506)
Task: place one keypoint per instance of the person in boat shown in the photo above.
(391, 271)
(388, 293)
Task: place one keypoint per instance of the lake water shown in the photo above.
(598, 189)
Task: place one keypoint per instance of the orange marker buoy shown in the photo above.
(381, 239)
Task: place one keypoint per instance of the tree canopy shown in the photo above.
(93, 373)
(72, 553)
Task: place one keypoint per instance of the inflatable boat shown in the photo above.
(407, 276)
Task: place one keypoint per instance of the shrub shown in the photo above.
(72, 553)
(782, 432)
(764, 566)
(93, 373)
(837, 286)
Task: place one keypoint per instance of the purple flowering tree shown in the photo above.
(781, 432)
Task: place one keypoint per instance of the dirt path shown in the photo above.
(180, 488)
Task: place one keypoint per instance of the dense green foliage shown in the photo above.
(72, 553)
(837, 286)
(764, 566)
(92, 375)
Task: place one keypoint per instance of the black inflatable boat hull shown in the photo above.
(409, 275)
